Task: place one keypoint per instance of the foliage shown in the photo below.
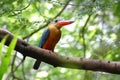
(5, 59)
(98, 39)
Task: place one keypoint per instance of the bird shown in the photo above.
(51, 36)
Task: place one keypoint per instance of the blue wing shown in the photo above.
(44, 37)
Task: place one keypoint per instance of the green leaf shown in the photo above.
(6, 59)
(1, 45)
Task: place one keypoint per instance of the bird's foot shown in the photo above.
(51, 52)
(55, 53)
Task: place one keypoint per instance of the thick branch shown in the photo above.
(62, 61)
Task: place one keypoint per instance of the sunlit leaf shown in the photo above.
(6, 58)
(1, 46)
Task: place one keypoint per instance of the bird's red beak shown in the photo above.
(64, 23)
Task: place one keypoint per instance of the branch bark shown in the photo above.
(61, 61)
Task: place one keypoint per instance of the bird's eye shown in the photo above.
(56, 21)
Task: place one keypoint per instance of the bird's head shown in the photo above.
(60, 23)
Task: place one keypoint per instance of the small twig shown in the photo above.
(40, 11)
(66, 4)
(23, 71)
(12, 10)
(83, 35)
(62, 3)
(24, 78)
(12, 65)
(23, 8)
(19, 64)
(16, 78)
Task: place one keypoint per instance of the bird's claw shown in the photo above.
(51, 52)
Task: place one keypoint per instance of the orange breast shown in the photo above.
(52, 39)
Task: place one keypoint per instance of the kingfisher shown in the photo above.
(51, 36)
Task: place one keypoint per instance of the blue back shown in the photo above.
(44, 37)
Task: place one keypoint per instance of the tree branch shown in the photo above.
(61, 61)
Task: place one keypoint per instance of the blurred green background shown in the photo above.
(95, 34)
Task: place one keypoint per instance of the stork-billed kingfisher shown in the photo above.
(51, 36)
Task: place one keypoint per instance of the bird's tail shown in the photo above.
(37, 64)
